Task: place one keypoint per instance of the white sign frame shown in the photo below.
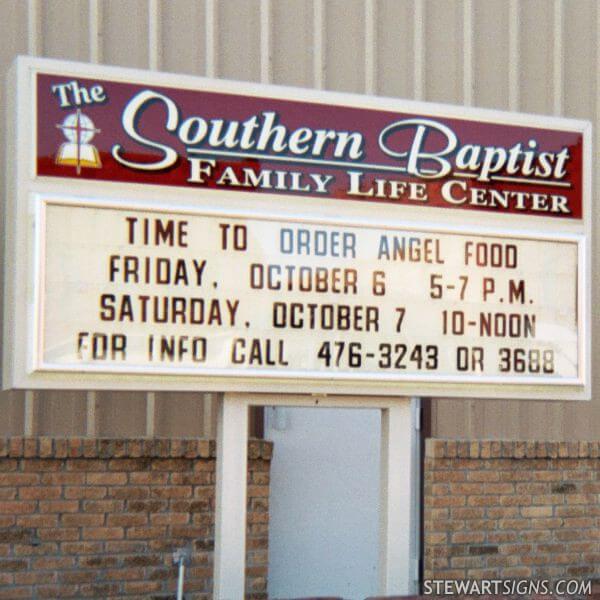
(399, 491)
(24, 189)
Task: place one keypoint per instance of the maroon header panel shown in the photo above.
(113, 131)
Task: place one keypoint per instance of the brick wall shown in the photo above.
(100, 518)
(512, 510)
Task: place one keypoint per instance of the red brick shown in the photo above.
(578, 522)
(467, 512)
(207, 465)
(129, 464)
(257, 478)
(498, 488)
(35, 577)
(171, 518)
(41, 549)
(103, 506)
(98, 562)
(572, 511)
(482, 500)
(75, 447)
(90, 448)
(502, 512)
(129, 492)
(16, 479)
(124, 574)
(162, 447)
(15, 447)
(14, 593)
(127, 520)
(580, 499)
(143, 560)
(85, 493)
(61, 448)
(58, 506)
(88, 465)
(8, 493)
(57, 591)
(62, 478)
(446, 525)
(151, 478)
(546, 475)
(126, 546)
(180, 491)
(79, 576)
(547, 499)
(106, 479)
(13, 565)
(142, 587)
(516, 500)
(150, 532)
(502, 537)
(102, 533)
(48, 563)
(151, 506)
(17, 507)
(99, 590)
(569, 535)
(46, 447)
(442, 489)
(58, 534)
(40, 464)
(513, 524)
(172, 464)
(537, 511)
(446, 501)
(15, 534)
(206, 449)
(482, 476)
(82, 520)
(37, 520)
(467, 537)
(39, 493)
(81, 547)
(546, 523)
(135, 448)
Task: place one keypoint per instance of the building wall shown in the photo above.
(538, 56)
(90, 518)
(512, 510)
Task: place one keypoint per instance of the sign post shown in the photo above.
(398, 494)
(230, 513)
(166, 232)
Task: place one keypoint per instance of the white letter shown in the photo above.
(200, 167)
(447, 192)
(131, 115)
(416, 152)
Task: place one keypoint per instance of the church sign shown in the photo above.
(170, 232)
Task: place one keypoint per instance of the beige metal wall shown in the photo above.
(537, 56)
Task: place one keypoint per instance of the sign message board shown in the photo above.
(231, 236)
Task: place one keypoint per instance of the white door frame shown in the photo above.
(398, 542)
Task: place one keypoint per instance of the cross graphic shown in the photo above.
(79, 129)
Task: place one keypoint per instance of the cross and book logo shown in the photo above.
(77, 151)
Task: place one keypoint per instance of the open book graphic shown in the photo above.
(78, 155)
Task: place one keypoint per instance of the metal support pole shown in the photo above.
(395, 556)
(230, 517)
(181, 557)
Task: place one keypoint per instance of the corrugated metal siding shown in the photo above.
(537, 56)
